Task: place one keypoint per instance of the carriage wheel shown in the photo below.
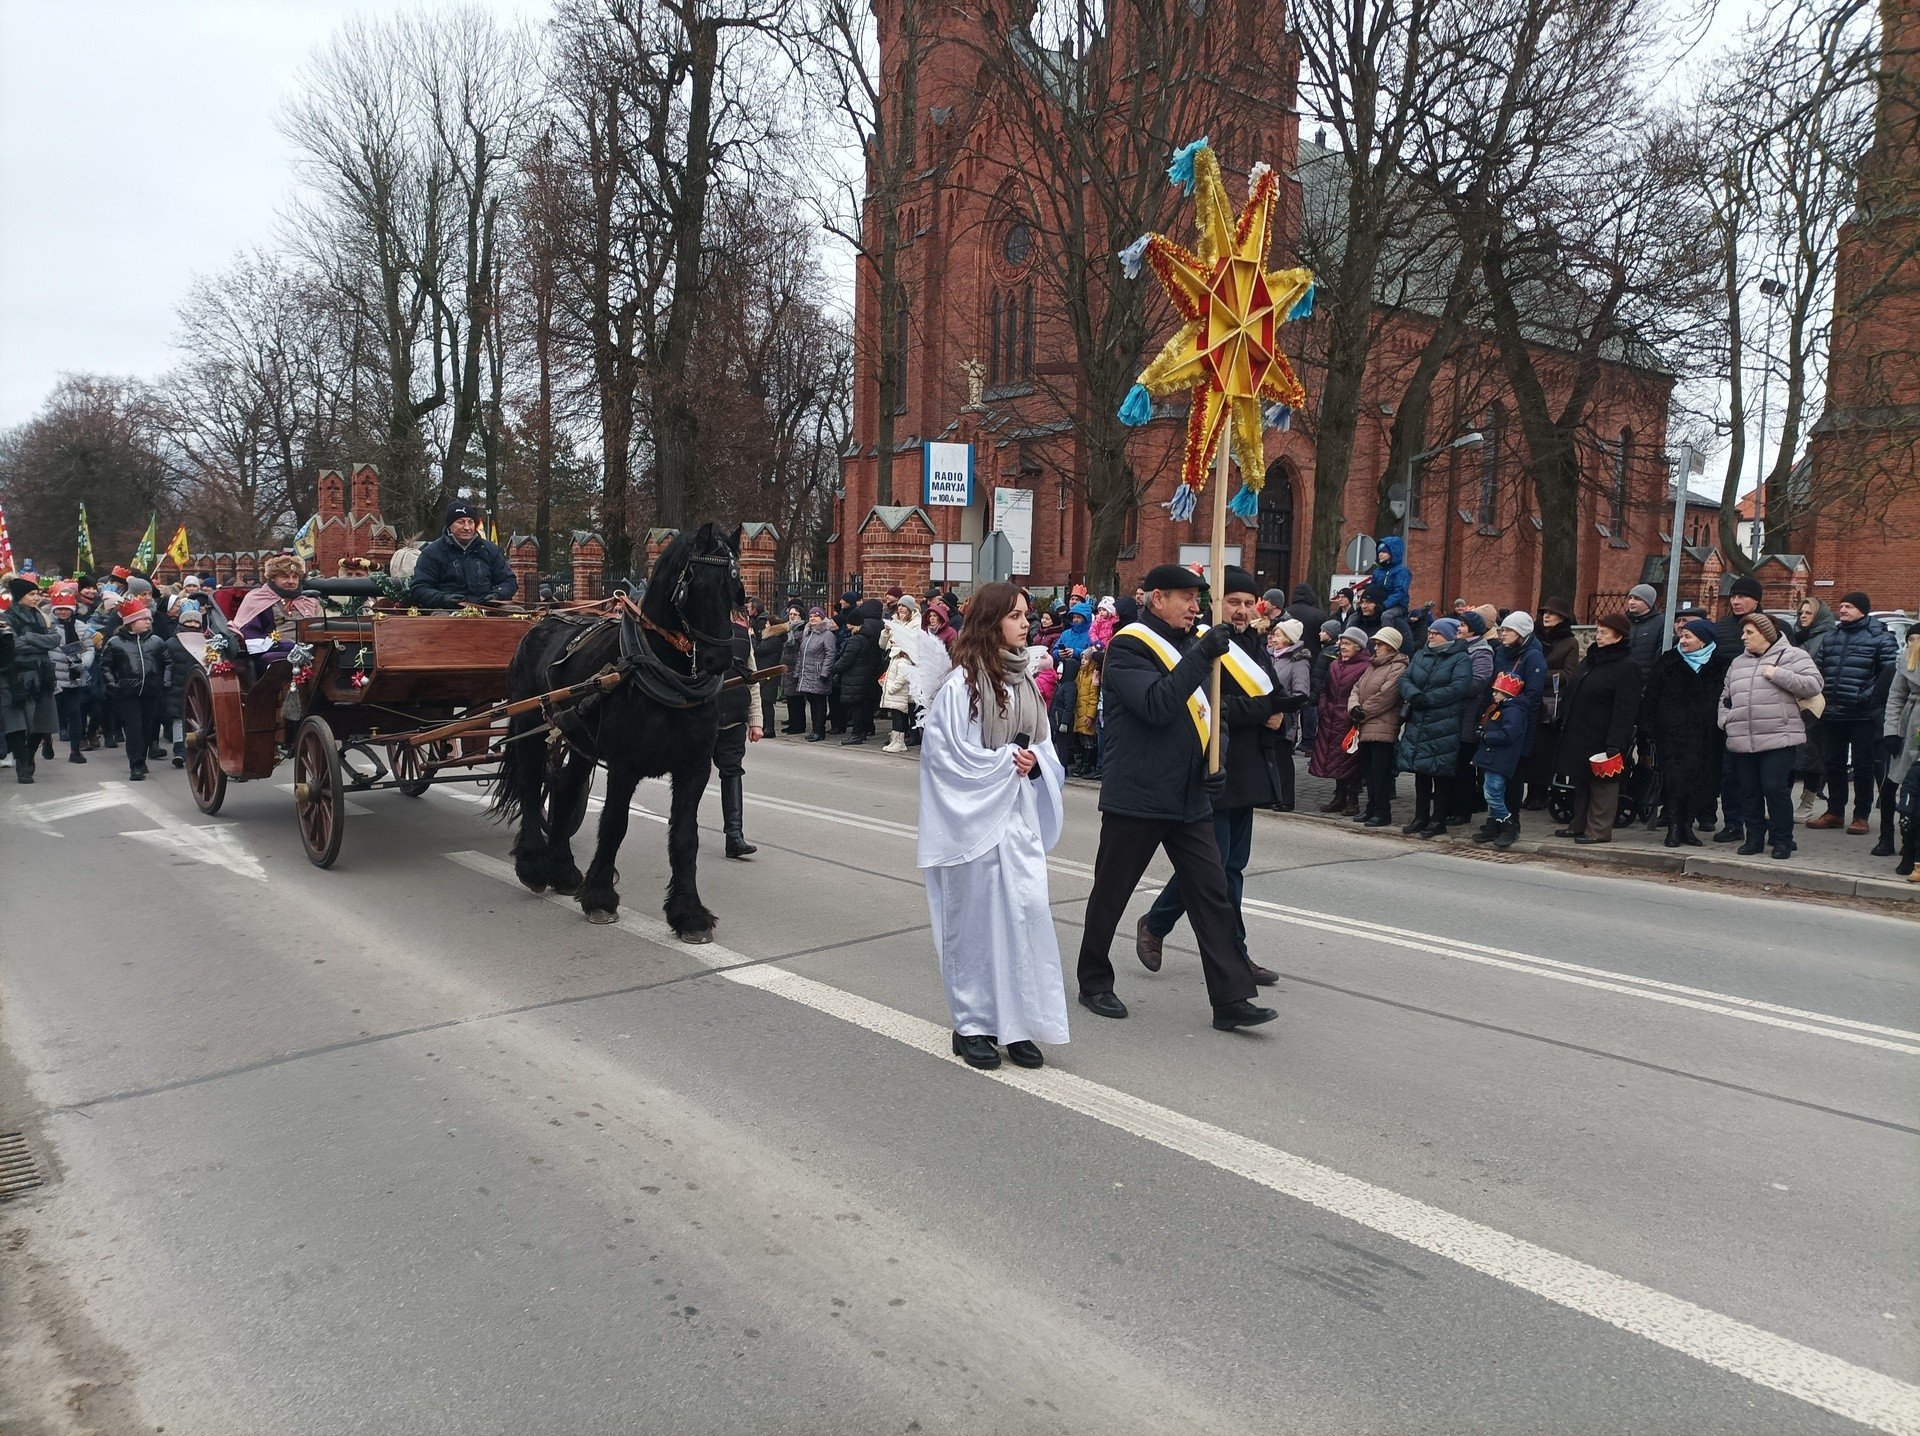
(205, 778)
(413, 768)
(319, 798)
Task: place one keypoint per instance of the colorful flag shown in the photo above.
(83, 549)
(303, 542)
(142, 561)
(179, 550)
(493, 534)
(6, 543)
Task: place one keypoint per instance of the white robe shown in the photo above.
(984, 837)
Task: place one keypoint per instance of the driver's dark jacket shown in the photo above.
(447, 575)
(1154, 763)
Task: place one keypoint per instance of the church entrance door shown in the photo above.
(1273, 548)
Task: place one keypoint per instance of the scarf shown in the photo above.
(1025, 713)
(1697, 659)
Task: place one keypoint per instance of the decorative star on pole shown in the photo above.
(1227, 353)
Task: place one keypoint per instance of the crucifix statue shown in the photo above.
(976, 372)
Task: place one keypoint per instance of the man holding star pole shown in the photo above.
(1162, 735)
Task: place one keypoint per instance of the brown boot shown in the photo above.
(1825, 820)
(1147, 947)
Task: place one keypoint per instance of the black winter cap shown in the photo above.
(1171, 575)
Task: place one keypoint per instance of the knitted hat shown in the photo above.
(816, 612)
(1447, 628)
(1171, 576)
(1390, 636)
(1107, 605)
(1702, 630)
(190, 615)
(1646, 593)
(1519, 622)
(1357, 635)
(1762, 625)
(1289, 628)
(1239, 581)
(1274, 599)
(904, 600)
(1746, 586)
(1330, 630)
(461, 509)
(1475, 622)
(1860, 601)
(139, 587)
(1374, 593)
(133, 609)
(1618, 622)
(1488, 615)
(19, 588)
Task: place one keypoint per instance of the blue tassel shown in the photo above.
(1133, 254)
(1137, 408)
(1183, 503)
(1277, 416)
(1302, 306)
(1245, 504)
(1180, 172)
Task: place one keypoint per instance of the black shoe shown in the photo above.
(1673, 838)
(816, 737)
(1565, 833)
(1103, 1004)
(1584, 839)
(1025, 1054)
(1750, 847)
(1241, 1014)
(1434, 829)
(1730, 835)
(1416, 828)
(1263, 976)
(1378, 820)
(852, 740)
(1883, 848)
(1509, 831)
(1487, 831)
(1146, 946)
(1782, 851)
(76, 756)
(737, 846)
(138, 775)
(113, 742)
(978, 1051)
(1689, 838)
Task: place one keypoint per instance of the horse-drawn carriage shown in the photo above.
(388, 697)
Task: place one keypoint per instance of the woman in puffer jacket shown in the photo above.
(895, 642)
(1434, 688)
(1900, 740)
(1760, 714)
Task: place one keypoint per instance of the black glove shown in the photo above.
(1890, 745)
(1214, 785)
(1290, 702)
(1214, 642)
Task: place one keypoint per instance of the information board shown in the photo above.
(1013, 516)
(948, 475)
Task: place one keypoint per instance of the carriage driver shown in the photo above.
(461, 567)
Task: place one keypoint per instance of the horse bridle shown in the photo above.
(678, 598)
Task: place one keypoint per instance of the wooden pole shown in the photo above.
(1217, 581)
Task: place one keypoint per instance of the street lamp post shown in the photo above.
(1473, 438)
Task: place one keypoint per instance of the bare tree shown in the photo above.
(95, 442)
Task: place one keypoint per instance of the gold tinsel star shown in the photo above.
(1227, 353)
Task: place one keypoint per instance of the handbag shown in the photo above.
(1812, 706)
(1351, 743)
(1550, 702)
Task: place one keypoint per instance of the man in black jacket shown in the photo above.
(742, 721)
(460, 566)
(1156, 793)
(1252, 707)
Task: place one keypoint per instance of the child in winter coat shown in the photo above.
(135, 659)
(1106, 618)
(1086, 714)
(189, 621)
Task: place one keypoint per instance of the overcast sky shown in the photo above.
(138, 148)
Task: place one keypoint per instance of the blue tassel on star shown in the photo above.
(1137, 408)
(1133, 254)
(1303, 306)
(1180, 172)
(1245, 504)
(1277, 416)
(1181, 506)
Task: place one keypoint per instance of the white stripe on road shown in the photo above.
(1721, 1004)
(1856, 1392)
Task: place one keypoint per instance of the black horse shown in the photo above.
(660, 718)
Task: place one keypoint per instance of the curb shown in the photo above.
(1769, 876)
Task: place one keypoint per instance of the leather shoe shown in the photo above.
(816, 737)
(1103, 1004)
(977, 1051)
(1241, 1014)
(739, 847)
(1782, 852)
(1565, 833)
(852, 740)
(1689, 838)
(1735, 835)
(1586, 838)
(1825, 820)
(1024, 1054)
(1263, 976)
(1857, 828)
(1416, 828)
(1750, 848)
(1377, 821)
(1146, 947)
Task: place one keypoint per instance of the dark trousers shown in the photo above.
(1127, 845)
(1233, 836)
(796, 713)
(1732, 803)
(1432, 796)
(1467, 799)
(1596, 803)
(1687, 800)
(1283, 763)
(1860, 735)
(1376, 765)
(860, 713)
(902, 720)
(817, 712)
(730, 751)
(1766, 784)
(139, 715)
(72, 704)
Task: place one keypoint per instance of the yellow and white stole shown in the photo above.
(1197, 706)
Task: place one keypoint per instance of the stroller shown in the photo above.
(1639, 795)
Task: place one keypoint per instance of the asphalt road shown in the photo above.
(400, 1147)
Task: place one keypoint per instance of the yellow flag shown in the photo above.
(179, 550)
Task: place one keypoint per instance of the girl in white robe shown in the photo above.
(985, 831)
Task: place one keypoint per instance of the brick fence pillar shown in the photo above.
(759, 547)
(896, 548)
(589, 566)
(523, 557)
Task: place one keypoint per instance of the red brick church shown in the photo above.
(1003, 446)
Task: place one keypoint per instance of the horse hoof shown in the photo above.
(569, 889)
(697, 939)
(600, 917)
(536, 888)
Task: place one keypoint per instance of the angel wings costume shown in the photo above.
(985, 832)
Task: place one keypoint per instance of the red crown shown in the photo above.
(1509, 685)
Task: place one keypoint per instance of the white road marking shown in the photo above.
(78, 804)
(1858, 1393)
(217, 847)
(1721, 1004)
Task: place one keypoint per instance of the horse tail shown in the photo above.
(520, 752)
